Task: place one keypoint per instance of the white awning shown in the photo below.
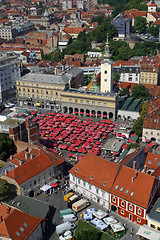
(148, 233)
(117, 227)
(109, 220)
(45, 188)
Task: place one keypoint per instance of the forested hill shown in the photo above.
(122, 5)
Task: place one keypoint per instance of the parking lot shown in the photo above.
(56, 200)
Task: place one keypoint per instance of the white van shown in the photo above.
(61, 228)
(66, 236)
(69, 217)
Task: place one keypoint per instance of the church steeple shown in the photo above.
(152, 7)
(106, 70)
(107, 55)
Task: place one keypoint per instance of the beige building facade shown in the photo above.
(86, 103)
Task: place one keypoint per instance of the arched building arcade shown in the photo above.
(88, 112)
(89, 104)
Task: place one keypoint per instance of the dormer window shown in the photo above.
(76, 169)
(121, 189)
(92, 177)
(104, 184)
(131, 194)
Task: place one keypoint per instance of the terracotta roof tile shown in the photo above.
(152, 161)
(133, 186)
(28, 168)
(101, 169)
(14, 219)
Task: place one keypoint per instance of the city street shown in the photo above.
(56, 200)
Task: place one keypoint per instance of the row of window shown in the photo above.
(147, 81)
(88, 102)
(89, 186)
(130, 206)
(36, 181)
(38, 85)
(152, 133)
(153, 226)
(38, 91)
(37, 96)
(148, 75)
(138, 219)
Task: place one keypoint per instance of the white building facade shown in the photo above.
(89, 191)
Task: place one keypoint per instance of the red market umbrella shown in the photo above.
(124, 146)
(115, 153)
(53, 184)
(130, 140)
(34, 112)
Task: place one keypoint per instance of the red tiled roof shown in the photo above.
(14, 220)
(156, 173)
(70, 30)
(28, 168)
(152, 161)
(101, 169)
(152, 119)
(139, 188)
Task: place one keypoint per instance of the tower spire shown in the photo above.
(107, 54)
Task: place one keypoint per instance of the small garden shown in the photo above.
(88, 231)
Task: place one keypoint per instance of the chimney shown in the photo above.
(145, 168)
(5, 172)
(31, 156)
(8, 210)
(11, 157)
(26, 156)
(55, 71)
(136, 174)
(20, 162)
(134, 165)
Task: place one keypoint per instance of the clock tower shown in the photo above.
(106, 70)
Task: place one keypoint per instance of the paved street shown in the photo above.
(56, 200)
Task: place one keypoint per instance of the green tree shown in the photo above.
(153, 30)
(137, 4)
(7, 147)
(100, 19)
(141, 24)
(116, 77)
(89, 235)
(138, 126)
(141, 92)
(144, 109)
(5, 189)
(125, 91)
(56, 56)
(132, 145)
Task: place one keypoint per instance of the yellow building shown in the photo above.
(43, 90)
(150, 70)
(153, 217)
(106, 71)
(40, 90)
(87, 103)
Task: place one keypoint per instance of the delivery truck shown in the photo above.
(61, 228)
(79, 205)
(65, 212)
(71, 202)
(67, 196)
